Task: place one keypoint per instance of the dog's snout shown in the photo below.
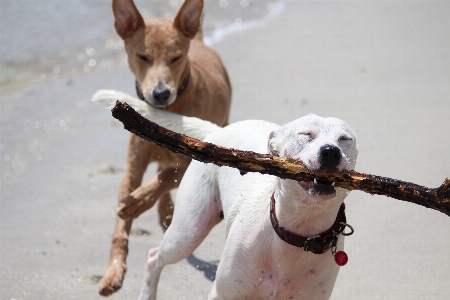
(329, 157)
(161, 95)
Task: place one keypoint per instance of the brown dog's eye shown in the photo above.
(175, 59)
(144, 58)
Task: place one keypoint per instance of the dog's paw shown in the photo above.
(125, 211)
(112, 280)
(131, 208)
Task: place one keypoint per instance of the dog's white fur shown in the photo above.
(256, 263)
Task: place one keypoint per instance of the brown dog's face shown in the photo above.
(157, 55)
(157, 49)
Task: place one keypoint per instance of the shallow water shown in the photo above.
(42, 39)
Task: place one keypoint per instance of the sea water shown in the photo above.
(43, 39)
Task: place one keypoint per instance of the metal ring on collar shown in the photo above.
(349, 226)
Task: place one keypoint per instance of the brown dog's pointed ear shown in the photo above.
(127, 18)
(189, 18)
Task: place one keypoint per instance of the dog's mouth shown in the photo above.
(160, 106)
(319, 187)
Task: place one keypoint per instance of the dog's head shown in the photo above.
(320, 144)
(157, 49)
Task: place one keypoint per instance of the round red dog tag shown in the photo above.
(341, 258)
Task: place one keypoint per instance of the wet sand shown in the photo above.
(381, 66)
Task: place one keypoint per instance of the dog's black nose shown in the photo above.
(161, 95)
(329, 157)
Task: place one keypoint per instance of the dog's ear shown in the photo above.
(270, 148)
(189, 18)
(127, 18)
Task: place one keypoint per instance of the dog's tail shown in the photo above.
(190, 126)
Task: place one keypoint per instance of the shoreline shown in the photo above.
(104, 49)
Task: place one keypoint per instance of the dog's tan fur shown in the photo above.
(161, 53)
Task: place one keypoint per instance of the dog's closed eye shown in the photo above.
(344, 138)
(175, 59)
(144, 58)
(307, 134)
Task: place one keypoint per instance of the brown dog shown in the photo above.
(175, 71)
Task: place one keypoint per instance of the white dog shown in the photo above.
(281, 234)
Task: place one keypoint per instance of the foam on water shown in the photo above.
(274, 10)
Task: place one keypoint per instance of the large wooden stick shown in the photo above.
(247, 161)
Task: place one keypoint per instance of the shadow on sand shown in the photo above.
(206, 268)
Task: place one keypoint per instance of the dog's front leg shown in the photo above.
(197, 211)
(113, 277)
(151, 276)
(137, 162)
(144, 197)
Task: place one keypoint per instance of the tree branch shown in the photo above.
(247, 161)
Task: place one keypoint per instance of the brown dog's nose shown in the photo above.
(329, 157)
(161, 95)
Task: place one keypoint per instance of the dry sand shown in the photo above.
(384, 67)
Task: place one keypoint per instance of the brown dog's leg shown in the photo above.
(165, 210)
(135, 204)
(137, 162)
(144, 198)
(113, 277)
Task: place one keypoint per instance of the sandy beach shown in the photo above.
(383, 67)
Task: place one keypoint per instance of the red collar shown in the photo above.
(318, 244)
